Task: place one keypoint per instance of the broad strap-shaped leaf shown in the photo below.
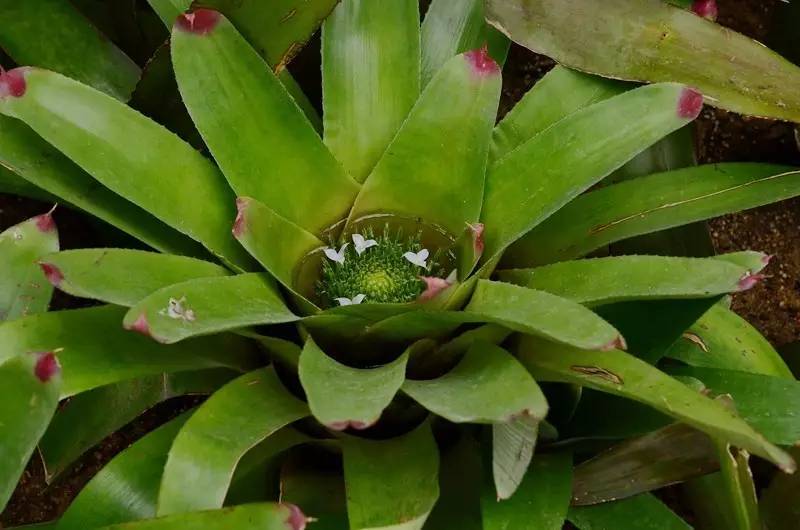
(24, 290)
(391, 484)
(451, 27)
(621, 374)
(264, 516)
(208, 305)
(370, 78)
(513, 444)
(560, 93)
(552, 168)
(488, 386)
(207, 449)
(55, 35)
(650, 204)
(622, 278)
(88, 418)
(667, 456)
(31, 384)
(39, 163)
(111, 142)
(341, 397)
(542, 501)
(96, 351)
(435, 166)
(652, 41)
(724, 340)
(276, 156)
(126, 489)
(121, 276)
(779, 510)
(643, 512)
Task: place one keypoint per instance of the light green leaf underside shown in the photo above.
(652, 41)
(488, 386)
(24, 290)
(513, 444)
(340, 396)
(621, 374)
(546, 172)
(643, 512)
(124, 277)
(25, 410)
(265, 516)
(206, 450)
(435, 167)
(649, 204)
(623, 278)
(275, 156)
(391, 484)
(112, 141)
(370, 78)
(90, 359)
(208, 305)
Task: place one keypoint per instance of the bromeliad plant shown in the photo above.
(413, 275)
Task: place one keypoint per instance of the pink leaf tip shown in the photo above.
(749, 280)
(140, 325)
(240, 224)
(690, 104)
(477, 237)
(45, 222)
(767, 259)
(12, 82)
(200, 21)
(706, 9)
(297, 519)
(433, 286)
(482, 63)
(47, 367)
(616, 344)
(52, 273)
(349, 424)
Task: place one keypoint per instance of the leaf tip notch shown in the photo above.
(706, 9)
(52, 273)
(340, 426)
(198, 21)
(297, 520)
(46, 367)
(481, 63)
(690, 103)
(13, 82)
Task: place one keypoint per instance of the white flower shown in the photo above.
(362, 244)
(419, 258)
(175, 309)
(357, 299)
(338, 257)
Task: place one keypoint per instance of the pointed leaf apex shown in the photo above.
(12, 82)
(52, 273)
(616, 344)
(140, 325)
(433, 286)
(748, 281)
(240, 223)
(690, 103)
(297, 519)
(706, 9)
(45, 222)
(477, 237)
(482, 63)
(199, 21)
(47, 367)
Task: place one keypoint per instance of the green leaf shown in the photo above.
(53, 34)
(650, 204)
(542, 501)
(311, 477)
(233, 420)
(654, 42)
(456, 26)
(643, 512)
(391, 484)
(370, 78)
(435, 166)
(276, 156)
(96, 351)
(559, 94)
(126, 489)
(513, 444)
(39, 163)
(31, 385)
(621, 374)
(340, 396)
(722, 339)
(460, 482)
(264, 516)
(88, 418)
(13, 184)
(779, 509)
(112, 141)
(488, 386)
(24, 290)
(622, 278)
(208, 305)
(546, 172)
(667, 456)
(120, 276)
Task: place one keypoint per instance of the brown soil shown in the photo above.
(772, 307)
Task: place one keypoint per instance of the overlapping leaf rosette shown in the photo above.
(411, 274)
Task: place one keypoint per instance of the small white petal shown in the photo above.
(362, 244)
(418, 258)
(358, 240)
(332, 255)
(423, 254)
(359, 298)
(344, 301)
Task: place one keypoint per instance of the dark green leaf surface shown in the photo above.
(314, 481)
(24, 289)
(460, 482)
(13, 184)
(370, 78)
(779, 509)
(250, 517)
(206, 450)
(652, 41)
(643, 512)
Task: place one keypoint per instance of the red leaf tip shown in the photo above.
(240, 224)
(200, 21)
(690, 104)
(748, 281)
(52, 273)
(297, 519)
(706, 9)
(140, 325)
(616, 344)
(482, 63)
(45, 222)
(12, 82)
(47, 367)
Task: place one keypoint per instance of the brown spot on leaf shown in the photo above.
(601, 373)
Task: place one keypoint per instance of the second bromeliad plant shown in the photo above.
(427, 260)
